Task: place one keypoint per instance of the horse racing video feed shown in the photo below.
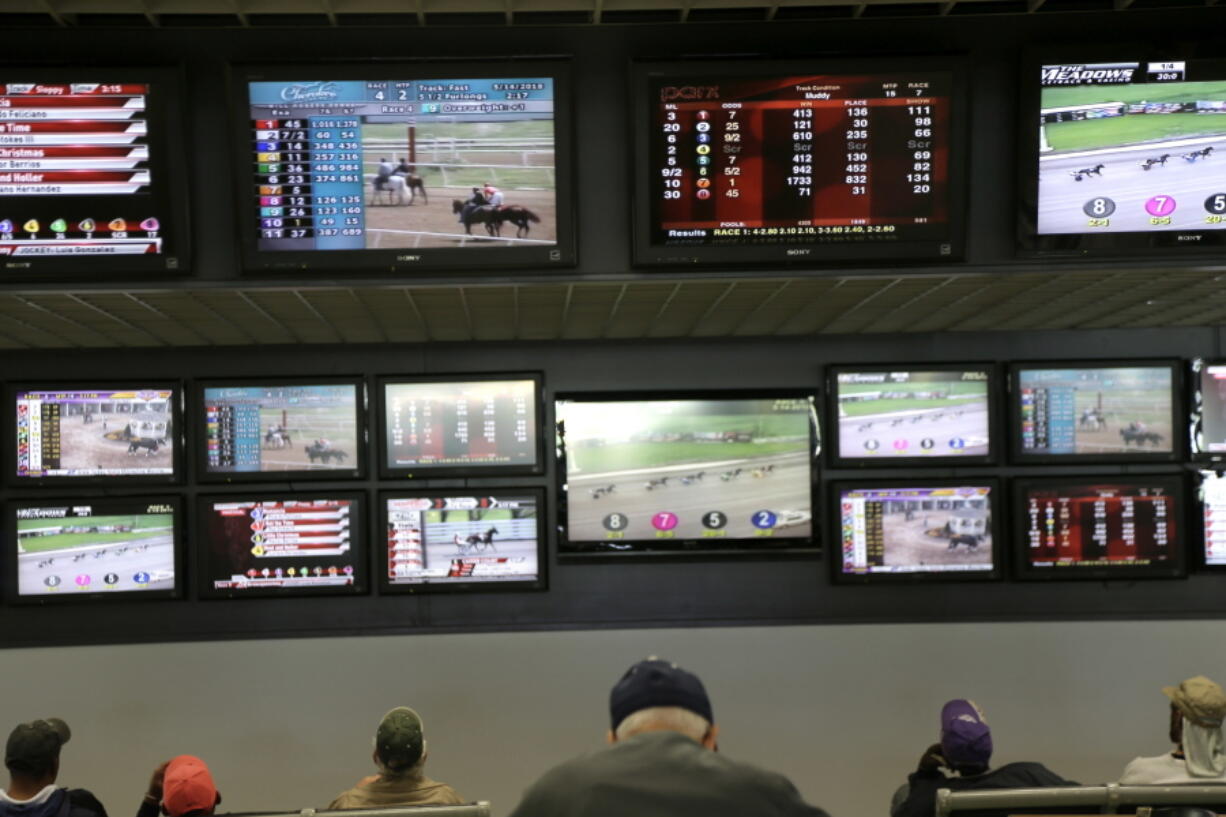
(1213, 500)
(643, 474)
(389, 163)
(281, 428)
(253, 545)
(451, 424)
(462, 539)
(85, 433)
(1126, 410)
(1100, 524)
(114, 545)
(1132, 147)
(912, 413)
(916, 530)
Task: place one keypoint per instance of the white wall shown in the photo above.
(845, 711)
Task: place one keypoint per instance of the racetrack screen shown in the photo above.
(442, 541)
(1132, 147)
(916, 530)
(891, 415)
(1125, 411)
(271, 429)
(702, 474)
(96, 546)
(95, 433)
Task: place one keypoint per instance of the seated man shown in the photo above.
(32, 756)
(1197, 708)
(400, 756)
(662, 761)
(180, 787)
(965, 749)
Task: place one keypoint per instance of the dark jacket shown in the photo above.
(61, 803)
(921, 799)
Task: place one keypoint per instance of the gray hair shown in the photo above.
(671, 718)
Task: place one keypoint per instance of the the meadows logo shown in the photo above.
(309, 92)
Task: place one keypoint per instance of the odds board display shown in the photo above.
(784, 163)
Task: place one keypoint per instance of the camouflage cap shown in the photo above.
(399, 741)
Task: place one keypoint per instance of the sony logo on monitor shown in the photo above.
(1101, 74)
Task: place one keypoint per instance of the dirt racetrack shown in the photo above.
(395, 225)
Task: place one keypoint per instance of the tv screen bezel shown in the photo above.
(170, 84)
(1178, 444)
(199, 435)
(12, 588)
(999, 505)
(917, 252)
(376, 263)
(541, 582)
(1021, 563)
(689, 549)
(834, 449)
(389, 472)
(178, 448)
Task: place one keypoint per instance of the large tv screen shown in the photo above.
(393, 168)
(284, 545)
(460, 425)
(447, 540)
(97, 434)
(912, 414)
(775, 162)
(1213, 505)
(918, 529)
(687, 473)
(1124, 154)
(1108, 526)
(95, 546)
(91, 173)
(287, 428)
(1096, 411)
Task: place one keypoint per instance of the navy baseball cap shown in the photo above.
(966, 739)
(656, 682)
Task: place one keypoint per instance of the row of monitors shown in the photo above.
(382, 167)
(1074, 527)
(927, 414)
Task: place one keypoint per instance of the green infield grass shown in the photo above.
(1154, 92)
(1133, 129)
(865, 407)
(634, 456)
(152, 526)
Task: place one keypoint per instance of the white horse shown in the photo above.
(396, 185)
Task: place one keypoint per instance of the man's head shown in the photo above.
(1197, 700)
(187, 788)
(656, 695)
(400, 743)
(966, 740)
(33, 749)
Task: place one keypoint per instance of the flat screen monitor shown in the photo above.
(95, 547)
(104, 434)
(1110, 526)
(1121, 151)
(92, 172)
(687, 473)
(388, 168)
(1208, 428)
(458, 540)
(912, 414)
(461, 425)
(284, 428)
(1096, 411)
(756, 162)
(917, 529)
(299, 544)
(1212, 490)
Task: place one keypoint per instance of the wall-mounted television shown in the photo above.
(1208, 416)
(457, 540)
(288, 544)
(1107, 526)
(1212, 495)
(1096, 411)
(289, 429)
(923, 529)
(460, 425)
(92, 172)
(94, 547)
(390, 168)
(805, 162)
(687, 472)
(103, 433)
(1120, 151)
(912, 414)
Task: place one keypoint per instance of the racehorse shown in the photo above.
(1203, 153)
(324, 454)
(278, 438)
(1161, 160)
(1078, 175)
(485, 214)
(395, 186)
(1132, 435)
(519, 216)
(476, 541)
(970, 540)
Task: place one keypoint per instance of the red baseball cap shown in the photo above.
(188, 787)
